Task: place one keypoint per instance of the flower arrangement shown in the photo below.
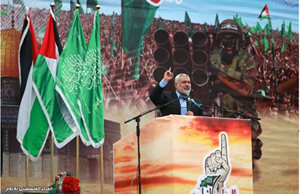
(65, 183)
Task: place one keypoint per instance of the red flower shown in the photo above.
(70, 185)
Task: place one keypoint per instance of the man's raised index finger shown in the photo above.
(224, 150)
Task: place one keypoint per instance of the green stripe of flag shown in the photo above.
(45, 89)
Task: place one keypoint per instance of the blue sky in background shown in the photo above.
(201, 11)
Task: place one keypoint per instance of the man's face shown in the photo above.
(118, 86)
(229, 42)
(184, 85)
(230, 49)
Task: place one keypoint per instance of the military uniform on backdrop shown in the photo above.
(233, 79)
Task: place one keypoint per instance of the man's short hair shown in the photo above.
(180, 75)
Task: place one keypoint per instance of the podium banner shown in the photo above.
(183, 154)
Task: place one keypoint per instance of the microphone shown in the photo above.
(188, 100)
(195, 103)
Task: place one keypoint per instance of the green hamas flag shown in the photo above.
(239, 21)
(159, 24)
(283, 47)
(267, 29)
(217, 23)
(90, 94)
(253, 30)
(187, 20)
(266, 43)
(137, 17)
(205, 27)
(258, 28)
(58, 6)
(289, 32)
(69, 73)
(114, 21)
(188, 23)
(3, 13)
(210, 180)
(92, 4)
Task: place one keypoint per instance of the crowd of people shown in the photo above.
(120, 89)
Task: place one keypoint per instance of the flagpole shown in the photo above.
(27, 171)
(77, 157)
(274, 63)
(102, 170)
(101, 151)
(52, 5)
(52, 160)
(77, 138)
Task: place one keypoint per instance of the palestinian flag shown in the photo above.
(28, 52)
(264, 14)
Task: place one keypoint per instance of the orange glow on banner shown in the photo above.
(182, 154)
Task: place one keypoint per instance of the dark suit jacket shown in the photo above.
(159, 97)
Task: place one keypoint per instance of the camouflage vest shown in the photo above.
(234, 70)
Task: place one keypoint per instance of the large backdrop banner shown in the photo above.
(132, 43)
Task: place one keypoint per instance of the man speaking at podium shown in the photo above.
(176, 102)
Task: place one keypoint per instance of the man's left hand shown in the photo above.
(189, 113)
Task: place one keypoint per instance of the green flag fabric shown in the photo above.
(137, 17)
(90, 94)
(256, 43)
(266, 43)
(23, 8)
(44, 109)
(114, 20)
(3, 13)
(267, 29)
(283, 47)
(9, 7)
(258, 28)
(217, 22)
(239, 21)
(272, 40)
(159, 23)
(253, 30)
(44, 77)
(58, 6)
(187, 20)
(69, 74)
(289, 32)
(81, 11)
(205, 27)
(188, 23)
(210, 180)
(191, 31)
(247, 25)
(92, 4)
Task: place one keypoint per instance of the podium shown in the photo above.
(186, 154)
